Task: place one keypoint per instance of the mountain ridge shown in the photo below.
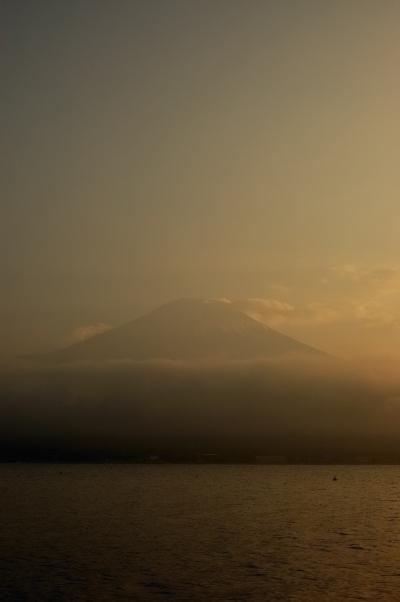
(185, 329)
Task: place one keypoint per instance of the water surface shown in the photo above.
(199, 532)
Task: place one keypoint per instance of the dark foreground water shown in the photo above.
(169, 532)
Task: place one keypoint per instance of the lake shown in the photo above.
(104, 532)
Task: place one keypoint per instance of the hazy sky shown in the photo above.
(225, 148)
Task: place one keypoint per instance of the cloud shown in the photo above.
(303, 407)
(341, 295)
(373, 276)
(371, 296)
(81, 333)
(276, 312)
(374, 314)
(219, 300)
(272, 312)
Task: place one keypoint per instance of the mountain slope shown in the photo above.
(184, 330)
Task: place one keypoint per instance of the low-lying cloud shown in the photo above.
(86, 331)
(303, 408)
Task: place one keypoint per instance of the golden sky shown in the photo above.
(247, 150)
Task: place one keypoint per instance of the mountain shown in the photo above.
(186, 329)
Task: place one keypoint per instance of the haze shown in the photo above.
(156, 150)
(199, 300)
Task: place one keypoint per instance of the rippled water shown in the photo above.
(173, 532)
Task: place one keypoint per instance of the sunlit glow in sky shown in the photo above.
(154, 150)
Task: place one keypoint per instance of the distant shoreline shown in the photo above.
(188, 463)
